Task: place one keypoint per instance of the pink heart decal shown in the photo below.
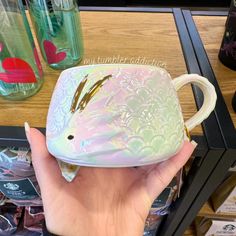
(51, 52)
(17, 71)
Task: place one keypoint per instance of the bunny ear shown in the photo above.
(92, 91)
(77, 94)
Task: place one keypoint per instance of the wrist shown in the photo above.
(119, 228)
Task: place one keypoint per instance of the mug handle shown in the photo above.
(209, 94)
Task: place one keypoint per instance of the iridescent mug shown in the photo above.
(120, 115)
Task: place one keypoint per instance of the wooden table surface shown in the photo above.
(139, 37)
(211, 29)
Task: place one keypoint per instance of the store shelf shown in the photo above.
(207, 211)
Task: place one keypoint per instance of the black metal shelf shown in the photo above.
(176, 222)
(226, 125)
(166, 3)
(217, 164)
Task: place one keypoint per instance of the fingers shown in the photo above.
(46, 168)
(160, 176)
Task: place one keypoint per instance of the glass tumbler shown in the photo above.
(58, 30)
(20, 68)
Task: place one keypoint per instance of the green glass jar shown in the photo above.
(20, 69)
(58, 30)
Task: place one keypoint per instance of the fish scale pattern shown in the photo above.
(134, 119)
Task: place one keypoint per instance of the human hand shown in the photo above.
(101, 201)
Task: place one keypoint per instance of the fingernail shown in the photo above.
(194, 143)
(27, 131)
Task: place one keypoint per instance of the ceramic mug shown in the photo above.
(120, 115)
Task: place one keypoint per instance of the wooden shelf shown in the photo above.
(190, 231)
(208, 212)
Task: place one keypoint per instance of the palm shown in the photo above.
(108, 199)
(109, 193)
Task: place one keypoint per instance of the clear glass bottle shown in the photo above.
(20, 68)
(58, 30)
(227, 53)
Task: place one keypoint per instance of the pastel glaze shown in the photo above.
(133, 119)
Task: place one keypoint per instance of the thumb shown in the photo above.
(162, 174)
(46, 167)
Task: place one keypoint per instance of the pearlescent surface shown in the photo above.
(133, 119)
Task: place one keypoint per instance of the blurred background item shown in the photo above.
(213, 227)
(227, 53)
(17, 177)
(160, 208)
(234, 102)
(224, 198)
